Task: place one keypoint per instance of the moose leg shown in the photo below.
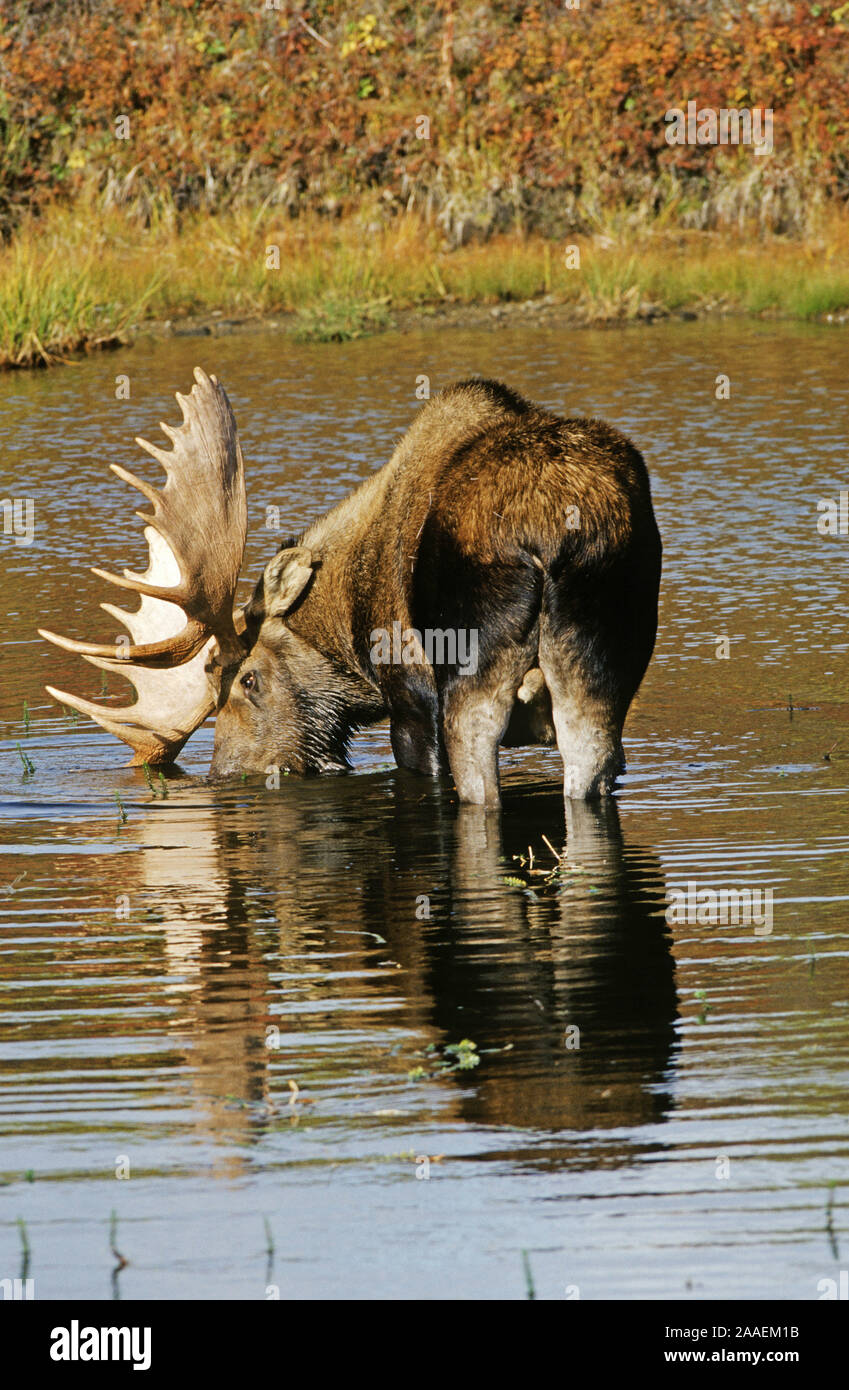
(588, 728)
(474, 719)
(414, 729)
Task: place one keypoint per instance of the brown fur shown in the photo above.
(464, 528)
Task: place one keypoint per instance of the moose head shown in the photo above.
(193, 653)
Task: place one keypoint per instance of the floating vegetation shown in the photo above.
(451, 1057)
(541, 875)
(25, 1248)
(162, 789)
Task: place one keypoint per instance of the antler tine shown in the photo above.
(137, 582)
(196, 538)
(170, 652)
(161, 455)
(155, 737)
(124, 473)
(106, 715)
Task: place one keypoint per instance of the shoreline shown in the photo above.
(219, 323)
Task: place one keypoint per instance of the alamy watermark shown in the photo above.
(76, 1343)
(728, 126)
(17, 1289)
(720, 907)
(435, 646)
(829, 1290)
(834, 515)
(19, 519)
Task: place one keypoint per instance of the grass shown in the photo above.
(28, 765)
(53, 303)
(336, 319)
(829, 1220)
(83, 277)
(121, 1260)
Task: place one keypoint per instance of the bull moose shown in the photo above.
(530, 534)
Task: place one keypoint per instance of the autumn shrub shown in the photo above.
(480, 117)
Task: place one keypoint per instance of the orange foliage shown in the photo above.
(308, 105)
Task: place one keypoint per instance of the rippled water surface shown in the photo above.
(239, 998)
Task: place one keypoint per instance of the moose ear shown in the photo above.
(285, 578)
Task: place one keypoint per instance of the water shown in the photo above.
(167, 984)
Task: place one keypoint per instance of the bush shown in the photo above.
(540, 116)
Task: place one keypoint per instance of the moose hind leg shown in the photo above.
(474, 719)
(588, 727)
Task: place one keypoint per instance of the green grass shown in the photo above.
(28, 765)
(339, 319)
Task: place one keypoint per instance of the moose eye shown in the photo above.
(248, 681)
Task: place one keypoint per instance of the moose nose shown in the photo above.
(224, 765)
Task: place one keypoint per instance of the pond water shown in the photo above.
(245, 999)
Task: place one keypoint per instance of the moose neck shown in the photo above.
(347, 596)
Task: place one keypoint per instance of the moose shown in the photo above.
(493, 516)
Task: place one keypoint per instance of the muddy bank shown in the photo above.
(219, 324)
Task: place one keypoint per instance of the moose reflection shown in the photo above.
(368, 906)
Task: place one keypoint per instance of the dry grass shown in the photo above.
(82, 277)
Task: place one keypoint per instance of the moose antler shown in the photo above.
(196, 538)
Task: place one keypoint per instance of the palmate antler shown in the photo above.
(196, 537)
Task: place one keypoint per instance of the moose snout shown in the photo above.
(224, 767)
(231, 755)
